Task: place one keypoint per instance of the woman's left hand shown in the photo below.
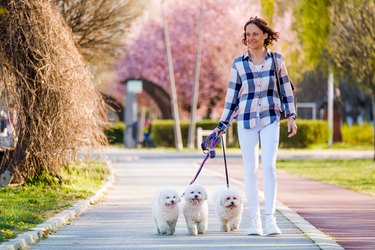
(292, 126)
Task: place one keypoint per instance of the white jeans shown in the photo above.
(249, 143)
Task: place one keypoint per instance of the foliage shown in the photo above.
(309, 132)
(352, 40)
(99, 26)
(268, 10)
(2, 10)
(337, 33)
(45, 82)
(162, 131)
(358, 134)
(357, 175)
(222, 29)
(23, 207)
(312, 22)
(115, 133)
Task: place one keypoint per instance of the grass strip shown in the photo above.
(357, 175)
(24, 206)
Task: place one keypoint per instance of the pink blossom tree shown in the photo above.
(222, 33)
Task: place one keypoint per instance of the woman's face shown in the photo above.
(255, 37)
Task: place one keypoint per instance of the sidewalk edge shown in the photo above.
(324, 241)
(29, 238)
(319, 238)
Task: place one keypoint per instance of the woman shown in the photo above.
(252, 98)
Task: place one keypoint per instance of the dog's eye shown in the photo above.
(234, 198)
(174, 197)
(192, 192)
(199, 192)
(228, 198)
(167, 197)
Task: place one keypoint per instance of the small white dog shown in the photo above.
(195, 209)
(165, 210)
(228, 207)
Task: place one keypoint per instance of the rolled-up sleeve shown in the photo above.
(231, 99)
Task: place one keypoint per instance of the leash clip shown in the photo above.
(214, 140)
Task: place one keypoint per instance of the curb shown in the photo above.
(322, 240)
(29, 238)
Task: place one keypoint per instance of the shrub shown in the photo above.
(358, 134)
(162, 133)
(115, 132)
(309, 132)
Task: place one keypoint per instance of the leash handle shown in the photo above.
(225, 161)
(214, 138)
(206, 140)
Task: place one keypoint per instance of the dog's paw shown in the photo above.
(224, 228)
(193, 231)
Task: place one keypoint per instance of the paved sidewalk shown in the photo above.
(345, 215)
(123, 220)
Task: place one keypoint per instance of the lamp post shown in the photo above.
(130, 115)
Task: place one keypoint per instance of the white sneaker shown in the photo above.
(270, 226)
(255, 227)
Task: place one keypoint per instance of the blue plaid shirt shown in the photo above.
(252, 94)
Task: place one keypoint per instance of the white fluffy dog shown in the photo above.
(165, 210)
(228, 207)
(195, 209)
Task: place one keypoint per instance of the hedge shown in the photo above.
(362, 134)
(309, 132)
(115, 133)
(162, 131)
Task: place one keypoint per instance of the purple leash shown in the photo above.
(209, 153)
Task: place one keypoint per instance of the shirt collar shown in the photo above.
(246, 54)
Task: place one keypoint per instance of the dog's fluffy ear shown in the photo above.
(221, 202)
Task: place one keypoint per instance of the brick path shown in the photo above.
(347, 216)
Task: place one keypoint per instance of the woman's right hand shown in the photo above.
(217, 131)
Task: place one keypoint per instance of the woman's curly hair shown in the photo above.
(261, 24)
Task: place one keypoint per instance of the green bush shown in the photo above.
(115, 133)
(358, 134)
(309, 132)
(162, 131)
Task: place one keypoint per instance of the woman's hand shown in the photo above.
(217, 131)
(292, 126)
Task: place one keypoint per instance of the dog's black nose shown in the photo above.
(172, 201)
(232, 203)
(196, 196)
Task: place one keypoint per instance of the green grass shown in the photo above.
(357, 175)
(23, 207)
